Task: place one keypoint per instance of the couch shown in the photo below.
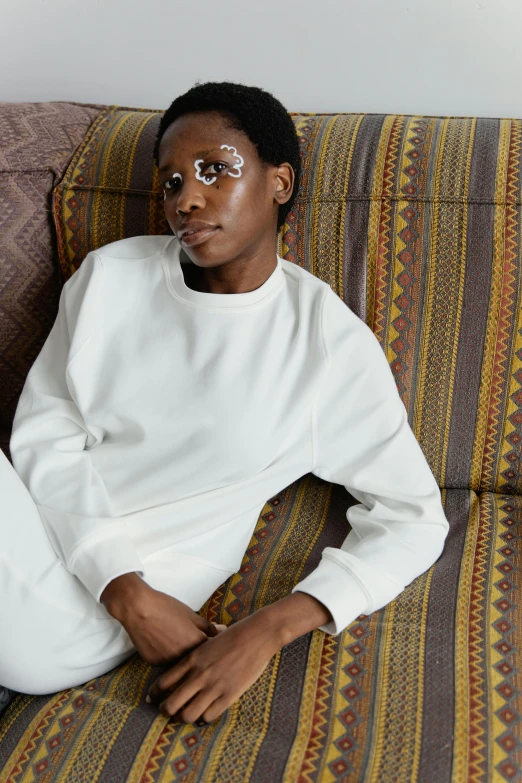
(415, 221)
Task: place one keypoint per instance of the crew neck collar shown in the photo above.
(201, 299)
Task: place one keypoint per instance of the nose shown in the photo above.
(190, 196)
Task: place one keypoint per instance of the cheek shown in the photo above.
(240, 198)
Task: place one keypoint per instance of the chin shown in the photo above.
(205, 254)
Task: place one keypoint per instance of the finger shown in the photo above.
(194, 709)
(221, 628)
(213, 711)
(168, 680)
(211, 629)
(204, 625)
(179, 697)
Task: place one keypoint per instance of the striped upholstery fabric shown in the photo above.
(415, 223)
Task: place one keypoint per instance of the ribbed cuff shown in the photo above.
(100, 560)
(339, 591)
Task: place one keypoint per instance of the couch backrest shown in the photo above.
(413, 221)
(37, 141)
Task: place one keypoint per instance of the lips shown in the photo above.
(197, 237)
(193, 226)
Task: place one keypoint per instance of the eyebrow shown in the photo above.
(200, 154)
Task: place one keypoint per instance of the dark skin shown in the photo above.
(211, 666)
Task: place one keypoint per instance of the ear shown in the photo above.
(283, 178)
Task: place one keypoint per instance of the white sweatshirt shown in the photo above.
(157, 421)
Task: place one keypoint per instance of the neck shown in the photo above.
(233, 277)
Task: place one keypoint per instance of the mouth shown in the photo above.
(197, 237)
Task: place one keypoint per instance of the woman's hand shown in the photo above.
(215, 674)
(161, 627)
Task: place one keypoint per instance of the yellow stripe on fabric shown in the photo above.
(383, 269)
(37, 729)
(400, 224)
(108, 209)
(64, 191)
(430, 284)
(346, 182)
(152, 206)
(132, 155)
(496, 701)
(329, 186)
(511, 314)
(165, 739)
(13, 712)
(462, 644)
(495, 444)
(151, 752)
(341, 681)
(482, 465)
(374, 218)
(315, 208)
(105, 720)
(108, 164)
(478, 619)
(416, 750)
(309, 505)
(454, 343)
(382, 662)
(100, 202)
(515, 369)
(312, 718)
(247, 722)
(398, 699)
(442, 314)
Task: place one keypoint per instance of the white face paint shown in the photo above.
(168, 180)
(239, 158)
(207, 179)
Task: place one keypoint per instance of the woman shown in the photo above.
(186, 380)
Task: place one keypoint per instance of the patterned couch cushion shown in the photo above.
(37, 141)
(412, 221)
(425, 690)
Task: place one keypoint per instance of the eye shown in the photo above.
(172, 183)
(209, 166)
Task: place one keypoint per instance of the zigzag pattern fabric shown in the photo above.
(415, 222)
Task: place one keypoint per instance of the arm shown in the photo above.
(362, 440)
(50, 446)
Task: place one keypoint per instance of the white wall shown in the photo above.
(441, 57)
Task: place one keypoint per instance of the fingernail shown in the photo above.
(148, 699)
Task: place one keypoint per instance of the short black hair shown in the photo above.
(252, 110)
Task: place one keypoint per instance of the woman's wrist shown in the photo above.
(122, 593)
(295, 615)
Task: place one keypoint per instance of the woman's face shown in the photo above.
(212, 174)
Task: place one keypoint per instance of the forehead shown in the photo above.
(196, 135)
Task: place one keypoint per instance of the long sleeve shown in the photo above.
(362, 440)
(50, 446)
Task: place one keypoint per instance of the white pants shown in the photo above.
(53, 634)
